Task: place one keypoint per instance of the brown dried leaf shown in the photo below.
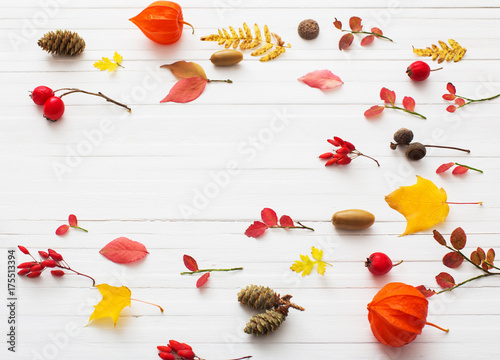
(490, 256)
(439, 238)
(474, 257)
(445, 280)
(453, 260)
(458, 238)
(425, 291)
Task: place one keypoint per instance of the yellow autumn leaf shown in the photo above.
(114, 299)
(423, 205)
(305, 264)
(107, 64)
(455, 53)
(117, 58)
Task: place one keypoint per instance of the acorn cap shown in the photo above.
(308, 29)
(403, 136)
(415, 151)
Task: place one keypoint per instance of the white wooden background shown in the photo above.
(137, 176)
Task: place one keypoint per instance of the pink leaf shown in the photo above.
(367, 40)
(377, 31)
(459, 170)
(269, 217)
(123, 250)
(451, 108)
(451, 88)
(286, 221)
(72, 220)
(445, 280)
(449, 97)
(346, 41)
(256, 229)
(460, 101)
(190, 263)
(63, 229)
(374, 111)
(337, 24)
(321, 79)
(202, 280)
(355, 23)
(409, 103)
(388, 96)
(426, 292)
(186, 90)
(444, 167)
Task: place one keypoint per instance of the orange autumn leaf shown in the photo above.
(397, 314)
(185, 69)
(423, 205)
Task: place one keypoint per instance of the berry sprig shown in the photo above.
(192, 265)
(479, 258)
(356, 28)
(49, 260)
(460, 101)
(176, 350)
(345, 153)
(270, 221)
(53, 106)
(458, 170)
(389, 98)
(73, 223)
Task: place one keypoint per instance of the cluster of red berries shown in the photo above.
(176, 350)
(53, 106)
(345, 153)
(34, 269)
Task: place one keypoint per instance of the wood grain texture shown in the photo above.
(239, 148)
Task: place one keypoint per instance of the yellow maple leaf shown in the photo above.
(114, 299)
(305, 264)
(423, 205)
(117, 58)
(107, 64)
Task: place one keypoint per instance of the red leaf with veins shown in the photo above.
(374, 111)
(346, 41)
(451, 88)
(439, 238)
(355, 23)
(190, 263)
(72, 220)
(444, 167)
(426, 292)
(367, 40)
(337, 24)
(63, 229)
(388, 96)
(445, 280)
(256, 229)
(202, 280)
(459, 170)
(377, 31)
(186, 90)
(122, 250)
(286, 221)
(409, 103)
(269, 217)
(458, 238)
(453, 260)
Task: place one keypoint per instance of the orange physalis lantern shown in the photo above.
(161, 22)
(397, 314)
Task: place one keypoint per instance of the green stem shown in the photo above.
(79, 228)
(369, 33)
(466, 281)
(226, 81)
(477, 100)
(405, 110)
(209, 270)
(493, 266)
(469, 167)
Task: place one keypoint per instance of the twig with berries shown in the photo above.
(345, 153)
(270, 221)
(460, 101)
(192, 265)
(177, 350)
(389, 98)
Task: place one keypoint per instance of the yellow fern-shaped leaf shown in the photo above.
(248, 33)
(273, 54)
(256, 30)
(262, 50)
(443, 53)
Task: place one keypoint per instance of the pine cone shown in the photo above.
(62, 43)
(266, 323)
(258, 297)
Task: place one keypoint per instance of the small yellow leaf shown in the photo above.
(317, 254)
(262, 50)
(423, 205)
(322, 267)
(117, 58)
(106, 64)
(114, 299)
(305, 264)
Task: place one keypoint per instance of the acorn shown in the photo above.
(415, 151)
(402, 137)
(308, 29)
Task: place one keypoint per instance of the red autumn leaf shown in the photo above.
(367, 40)
(337, 24)
(123, 250)
(376, 31)
(490, 256)
(474, 257)
(186, 90)
(439, 238)
(458, 238)
(425, 291)
(256, 229)
(460, 102)
(449, 97)
(481, 254)
(451, 108)
(269, 217)
(409, 103)
(388, 96)
(374, 111)
(445, 280)
(63, 229)
(453, 260)
(321, 79)
(346, 41)
(444, 167)
(202, 280)
(451, 88)
(459, 170)
(190, 263)
(286, 221)
(72, 220)
(355, 23)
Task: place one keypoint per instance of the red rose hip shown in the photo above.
(379, 263)
(53, 109)
(419, 71)
(41, 94)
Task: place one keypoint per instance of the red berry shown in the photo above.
(23, 249)
(55, 255)
(34, 274)
(187, 347)
(40, 94)
(176, 345)
(37, 267)
(53, 108)
(49, 263)
(162, 348)
(43, 254)
(186, 354)
(344, 160)
(57, 273)
(379, 263)
(166, 356)
(26, 265)
(418, 71)
(23, 272)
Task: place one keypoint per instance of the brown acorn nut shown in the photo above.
(353, 219)
(308, 29)
(226, 57)
(415, 151)
(402, 137)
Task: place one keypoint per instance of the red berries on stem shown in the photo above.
(345, 153)
(176, 350)
(53, 109)
(419, 71)
(379, 263)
